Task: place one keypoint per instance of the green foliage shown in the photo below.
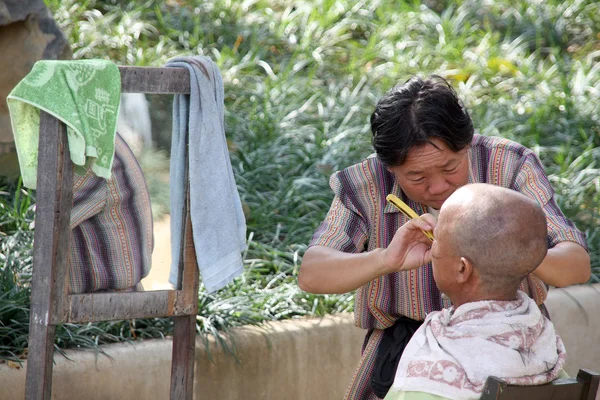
(16, 245)
(301, 79)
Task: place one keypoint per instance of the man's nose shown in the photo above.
(438, 186)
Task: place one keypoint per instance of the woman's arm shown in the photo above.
(566, 263)
(327, 270)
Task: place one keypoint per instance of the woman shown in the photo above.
(425, 149)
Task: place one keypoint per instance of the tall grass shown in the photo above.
(301, 79)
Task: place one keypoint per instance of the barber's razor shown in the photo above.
(406, 210)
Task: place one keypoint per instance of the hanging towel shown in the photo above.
(218, 221)
(85, 95)
(455, 350)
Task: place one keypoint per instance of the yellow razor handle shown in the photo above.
(406, 210)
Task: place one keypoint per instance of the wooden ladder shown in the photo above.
(51, 304)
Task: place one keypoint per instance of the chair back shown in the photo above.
(584, 387)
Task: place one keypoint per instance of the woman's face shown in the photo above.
(432, 172)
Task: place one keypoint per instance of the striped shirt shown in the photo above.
(361, 220)
(111, 221)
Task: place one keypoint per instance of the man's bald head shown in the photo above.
(502, 232)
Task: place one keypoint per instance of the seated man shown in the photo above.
(488, 239)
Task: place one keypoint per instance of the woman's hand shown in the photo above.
(410, 248)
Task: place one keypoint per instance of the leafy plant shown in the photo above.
(301, 79)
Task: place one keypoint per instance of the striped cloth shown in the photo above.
(111, 221)
(360, 220)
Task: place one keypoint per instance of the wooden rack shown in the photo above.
(51, 304)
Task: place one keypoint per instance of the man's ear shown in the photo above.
(465, 270)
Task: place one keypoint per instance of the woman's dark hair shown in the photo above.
(413, 113)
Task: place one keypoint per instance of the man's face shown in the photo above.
(444, 258)
(430, 175)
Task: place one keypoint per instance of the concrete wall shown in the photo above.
(301, 359)
(575, 312)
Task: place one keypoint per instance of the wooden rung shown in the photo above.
(118, 305)
(166, 80)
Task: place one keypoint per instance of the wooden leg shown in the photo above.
(184, 356)
(50, 253)
(39, 361)
(184, 334)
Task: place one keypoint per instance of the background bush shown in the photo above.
(301, 79)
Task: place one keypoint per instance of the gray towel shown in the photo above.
(217, 218)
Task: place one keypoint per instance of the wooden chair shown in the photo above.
(51, 304)
(584, 387)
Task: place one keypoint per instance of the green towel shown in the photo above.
(85, 95)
